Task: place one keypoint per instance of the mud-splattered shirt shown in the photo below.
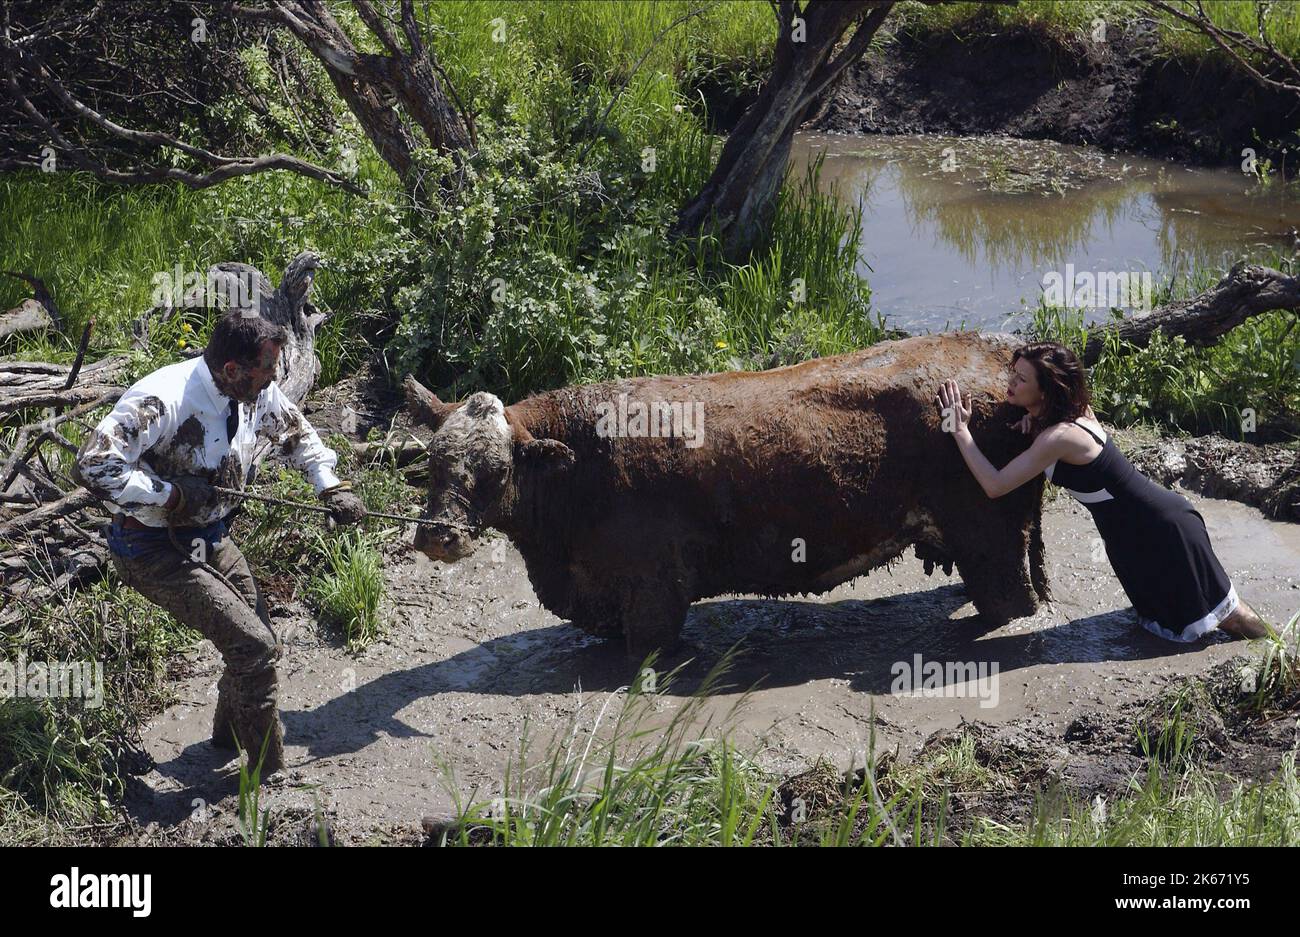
(173, 423)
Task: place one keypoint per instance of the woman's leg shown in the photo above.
(1244, 623)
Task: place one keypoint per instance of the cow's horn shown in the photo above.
(424, 405)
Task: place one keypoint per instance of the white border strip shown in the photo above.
(1201, 626)
(1091, 497)
(1083, 497)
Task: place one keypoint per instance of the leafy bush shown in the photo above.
(545, 271)
(1183, 387)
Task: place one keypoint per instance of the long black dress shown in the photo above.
(1156, 542)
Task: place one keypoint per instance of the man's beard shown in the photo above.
(239, 389)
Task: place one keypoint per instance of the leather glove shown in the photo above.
(193, 492)
(345, 507)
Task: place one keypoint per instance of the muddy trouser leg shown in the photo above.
(234, 567)
(244, 637)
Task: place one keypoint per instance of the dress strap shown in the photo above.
(1100, 442)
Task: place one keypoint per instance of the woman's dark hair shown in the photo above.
(1061, 378)
(239, 338)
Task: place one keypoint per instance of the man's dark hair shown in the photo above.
(239, 338)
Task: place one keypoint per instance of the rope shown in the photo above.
(321, 508)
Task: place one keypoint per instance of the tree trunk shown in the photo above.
(375, 85)
(740, 194)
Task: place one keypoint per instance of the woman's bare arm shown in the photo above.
(1046, 449)
(1050, 445)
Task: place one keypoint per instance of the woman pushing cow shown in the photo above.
(1155, 540)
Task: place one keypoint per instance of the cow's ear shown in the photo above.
(424, 405)
(550, 455)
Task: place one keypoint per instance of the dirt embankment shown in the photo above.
(1120, 94)
(1266, 477)
(1026, 765)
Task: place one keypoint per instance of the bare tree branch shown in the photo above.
(18, 61)
(1238, 45)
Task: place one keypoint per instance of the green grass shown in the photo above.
(276, 538)
(1253, 368)
(1274, 676)
(59, 758)
(99, 247)
(628, 775)
(1072, 21)
(613, 781)
(349, 587)
(280, 540)
(1282, 28)
(1196, 808)
(254, 820)
(1068, 18)
(605, 41)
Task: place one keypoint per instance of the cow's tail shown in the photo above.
(1037, 558)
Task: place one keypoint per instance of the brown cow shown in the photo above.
(630, 500)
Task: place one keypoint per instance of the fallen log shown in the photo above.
(28, 316)
(31, 520)
(41, 294)
(26, 385)
(1248, 290)
(401, 454)
(25, 447)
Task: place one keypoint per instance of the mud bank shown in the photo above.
(1266, 477)
(1119, 95)
(1024, 766)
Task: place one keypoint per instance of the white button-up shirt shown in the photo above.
(172, 423)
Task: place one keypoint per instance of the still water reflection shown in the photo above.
(965, 230)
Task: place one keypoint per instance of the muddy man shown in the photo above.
(158, 457)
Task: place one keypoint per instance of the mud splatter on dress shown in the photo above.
(1156, 542)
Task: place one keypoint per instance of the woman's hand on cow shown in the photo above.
(1025, 424)
(952, 403)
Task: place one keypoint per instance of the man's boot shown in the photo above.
(223, 721)
(263, 728)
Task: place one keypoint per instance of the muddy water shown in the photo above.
(963, 230)
(469, 659)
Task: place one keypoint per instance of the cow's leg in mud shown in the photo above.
(653, 616)
(990, 543)
(647, 592)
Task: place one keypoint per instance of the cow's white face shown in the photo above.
(479, 455)
(470, 460)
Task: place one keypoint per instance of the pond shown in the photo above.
(975, 231)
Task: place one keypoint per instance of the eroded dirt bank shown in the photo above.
(469, 657)
(1264, 476)
(1118, 94)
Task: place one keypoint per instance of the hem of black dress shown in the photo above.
(1199, 628)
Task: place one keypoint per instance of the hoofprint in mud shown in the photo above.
(800, 479)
